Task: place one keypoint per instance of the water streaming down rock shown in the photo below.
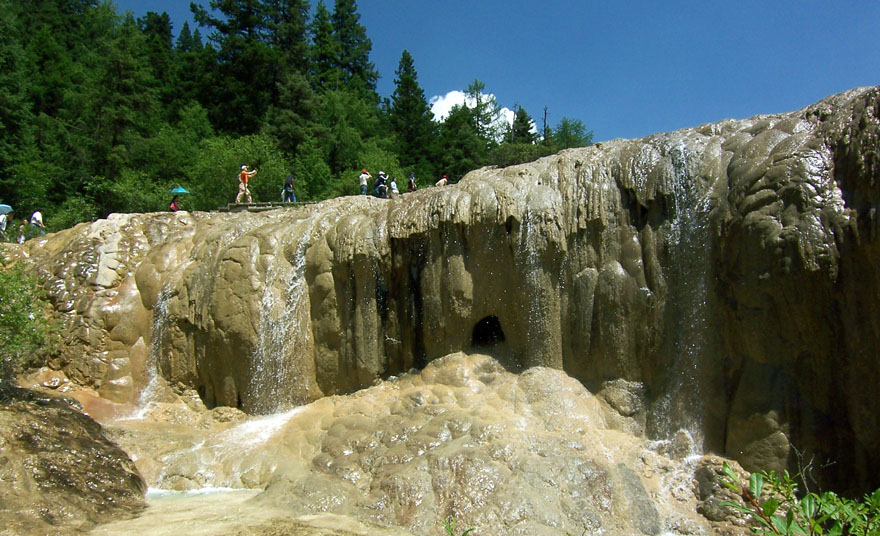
(687, 338)
(282, 331)
(155, 382)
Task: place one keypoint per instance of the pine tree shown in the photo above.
(324, 53)
(124, 104)
(294, 118)
(571, 133)
(157, 31)
(15, 113)
(521, 129)
(462, 149)
(288, 28)
(358, 72)
(287, 22)
(246, 82)
(195, 73)
(486, 112)
(411, 118)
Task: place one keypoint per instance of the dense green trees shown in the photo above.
(101, 112)
(412, 121)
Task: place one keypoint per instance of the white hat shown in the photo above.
(244, 166)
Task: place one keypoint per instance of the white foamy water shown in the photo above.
(258, 430)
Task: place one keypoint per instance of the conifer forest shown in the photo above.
(102, 111)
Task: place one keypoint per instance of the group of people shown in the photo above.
(288, 193)
(383, 187)
(25, 229)
(386, 188)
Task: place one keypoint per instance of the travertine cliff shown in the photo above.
(723, 279)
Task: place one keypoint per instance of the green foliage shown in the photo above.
(314, 179)
(486, 112)
(213, 174)
(26, 332)
(357, 72)
(449, 527)
(571, 133)
(521, 129)
(773, 501)
(102, 113)
(461, 147)
(72, 210)
(411, 118)
(508, 154)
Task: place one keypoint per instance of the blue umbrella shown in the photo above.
(179, 190)
(5, 209)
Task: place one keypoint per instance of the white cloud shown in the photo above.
(441, 105)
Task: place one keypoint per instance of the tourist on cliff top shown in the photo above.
(444, 180)
(5, 220)
(381, 188)
(243, 178)
(287, 193)
(393, 188)
(37, 226)
(364, 177)
(174, 206)
(411, 183)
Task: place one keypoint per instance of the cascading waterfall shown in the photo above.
(688, 324)
(274, 367)
(532, 268)
(151, 392)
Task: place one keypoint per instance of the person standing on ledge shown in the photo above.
(37, 223)
(174, 206)
(364, 178)
(243, 178)
(287, 193)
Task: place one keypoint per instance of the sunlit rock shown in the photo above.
(719, 279)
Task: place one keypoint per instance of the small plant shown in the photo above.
(449, 526)
(26, 332)
(773, 501)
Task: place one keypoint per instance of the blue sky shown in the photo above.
(625, 68)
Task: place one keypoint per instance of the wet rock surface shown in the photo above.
(59, 474)
(505, 453)
(717, 279)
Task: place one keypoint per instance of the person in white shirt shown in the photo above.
(4, 220)
(37, 222)
(364, 179)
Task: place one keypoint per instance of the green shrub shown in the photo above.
(26, 332)
(773, 502)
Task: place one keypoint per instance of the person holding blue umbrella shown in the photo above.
(174, 206)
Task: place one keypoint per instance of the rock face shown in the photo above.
(719, 279)
(58, 473)
(517, 454)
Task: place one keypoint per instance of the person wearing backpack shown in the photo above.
(287, 193)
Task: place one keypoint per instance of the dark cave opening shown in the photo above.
(487, 332)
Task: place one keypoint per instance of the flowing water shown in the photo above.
(152, 391)
(276, 363)
(688, 324)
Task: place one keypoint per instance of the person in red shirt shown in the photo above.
(243, 178)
